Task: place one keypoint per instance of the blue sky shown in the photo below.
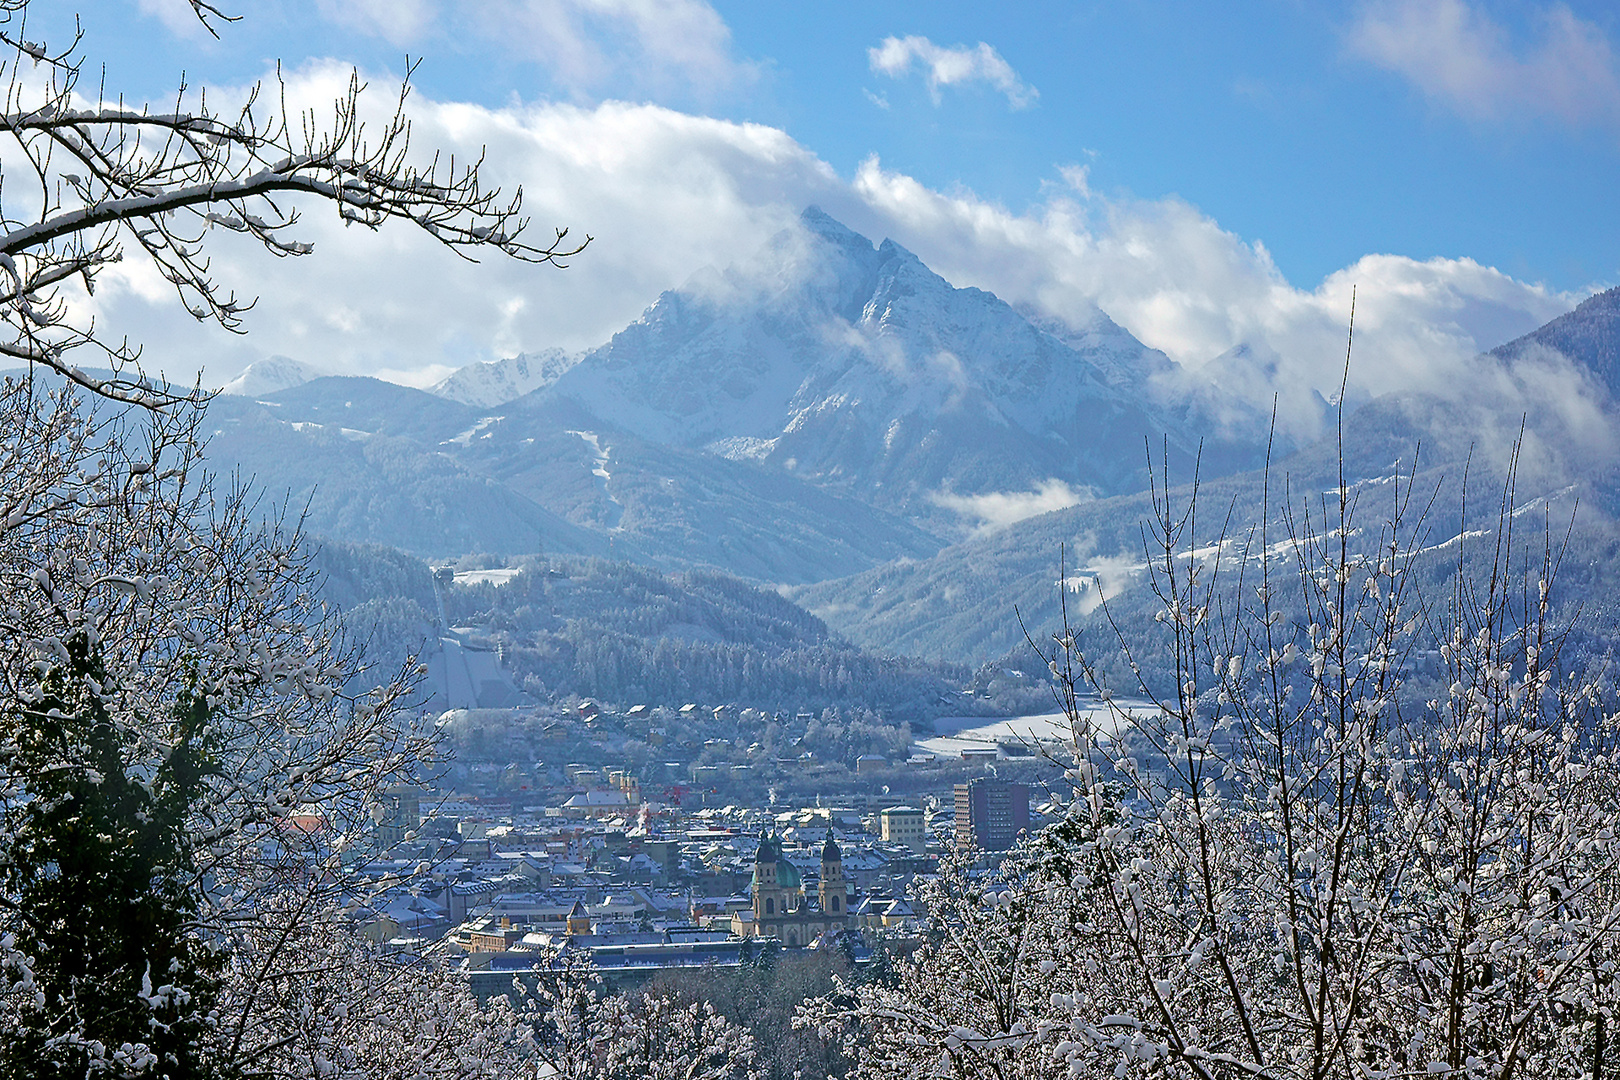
(1277, 143)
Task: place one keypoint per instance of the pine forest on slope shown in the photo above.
(630, 635)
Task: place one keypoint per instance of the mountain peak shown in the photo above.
(269, 375)
(489, 383)
(861, 370)
(895, 250)
(818, 221)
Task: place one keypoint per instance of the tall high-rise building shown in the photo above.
(990, 814)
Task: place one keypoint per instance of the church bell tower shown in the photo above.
(834, 893)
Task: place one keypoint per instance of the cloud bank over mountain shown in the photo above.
(665, 192)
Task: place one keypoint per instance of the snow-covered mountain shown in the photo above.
(495, 382)
(832, 415)
(270, 375)
(379, 463)
(1588, 336)
(859, 369)
(974, 599)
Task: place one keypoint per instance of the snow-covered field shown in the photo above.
(498, 576)
(953, 734)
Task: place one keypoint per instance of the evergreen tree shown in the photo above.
(103, 886)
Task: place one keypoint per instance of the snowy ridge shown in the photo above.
(270, 375)
(491, 383)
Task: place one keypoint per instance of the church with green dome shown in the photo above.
(782, 909)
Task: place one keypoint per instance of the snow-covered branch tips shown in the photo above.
(89, 181)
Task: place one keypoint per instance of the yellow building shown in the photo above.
(904, 825)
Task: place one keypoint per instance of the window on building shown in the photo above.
(770, 905)
(834, 904)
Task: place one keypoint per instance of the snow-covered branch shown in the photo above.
(86, 177)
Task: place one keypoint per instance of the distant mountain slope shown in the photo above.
(371, 487)
(861, 370)
(968, 601)
(374, 407)
(387, 464)
(1590, 335)
(675, 507)
(495, 382)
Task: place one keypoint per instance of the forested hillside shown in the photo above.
(628, 634)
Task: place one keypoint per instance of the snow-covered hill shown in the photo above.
(495, 382)
(270, 375)
(381, 463)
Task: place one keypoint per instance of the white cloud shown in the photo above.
(591, 47)
(398, 22)
(1179, 282)
(666, 193)
(951, 66)
(663, 192)
(1458, 55)
(178, 16)
(998, 509)
(591, 44)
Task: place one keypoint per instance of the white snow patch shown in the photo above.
(1370, 481)
(599, 470)
(487, 577)
(953, 734)
(742, 448)
(1472, 534)
(476, 431)
(831, 403)
(354, 434)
